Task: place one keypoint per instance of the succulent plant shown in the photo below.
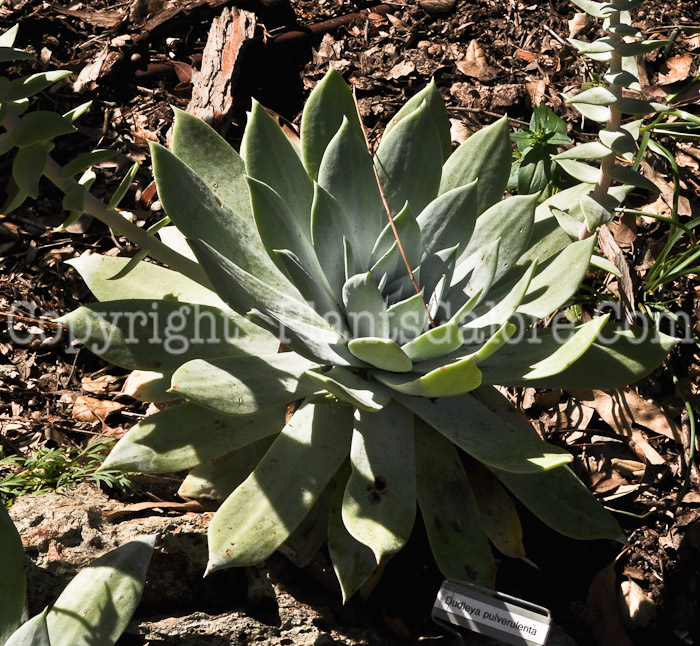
(606, 104)
(335, 370)
(94, 608)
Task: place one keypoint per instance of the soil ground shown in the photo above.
(489, 58)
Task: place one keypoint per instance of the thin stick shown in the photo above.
(387, 208)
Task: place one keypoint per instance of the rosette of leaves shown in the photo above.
(534, 171)
(94, 608)
(609, 104)
(383, 400)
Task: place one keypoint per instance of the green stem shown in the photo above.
(116, 221)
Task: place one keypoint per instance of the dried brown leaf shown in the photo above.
(578, 23)
(474, 63)
(89, 409)
(636, 607)
(675, 69)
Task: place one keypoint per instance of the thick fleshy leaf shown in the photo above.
(271, 158)
(449, 219)
(503, 305)
(352, 388)
(28, 167)
(184, 436)
(511, 220)
(145, 280)
(436, 342)
(197, 210)
(172, 237)
(580, 171)
(320, 344)
(347, 173)
(594, 96)
(450, 512)
(379, 505)
(626, 175)
(313, 286)
(160, 334)
(14, 584)
(365, 309)
(381, 353)
(244, 385)
(386, 257)
(96, 606)
(594, 214)
(310, 535)
(330, 228)
(559, 499)
(497, 512)
(557, 281)
(353, 562)
(569, 350)
(209, 155)
(590, 7)
(485, 156)
(432, 97)
(628, 355)
(40, 126)
(218, 478)
(407, 319)
(482, 434)
(328, 104)
(33, 632)
(263, 511)
(27, 86)
(587, 151)
(409, 161)
(445, 381)
(244, 292)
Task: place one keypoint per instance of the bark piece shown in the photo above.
(213, 85)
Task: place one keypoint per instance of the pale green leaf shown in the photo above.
(28, 168)
(557, 281)
(409, 161)
(379, 505)
(213, 159)
(27, 86)
(96, 606)
(328, 104)
(158, 335)
(485, 156)
(559, 499)
(33, 632)
(594, 96)
(271, 158)
(590, 150)
(432, 97)
(347, 173)
(184, 436)
(365, 309)
(41, 126)
(436, 342)
(271, 503)
(482, 434)
(352, 388)
(449, 510)
(218, 478)
(449, 219)
(244, 385)
(381, 353)
(14, 584)
(353, 562)
(626, 175)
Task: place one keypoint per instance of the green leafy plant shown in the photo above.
(607, 104)
(94, 608)
(400, 285)
(533, 170)
(56, 468)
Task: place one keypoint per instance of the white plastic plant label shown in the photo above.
(495, 614)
